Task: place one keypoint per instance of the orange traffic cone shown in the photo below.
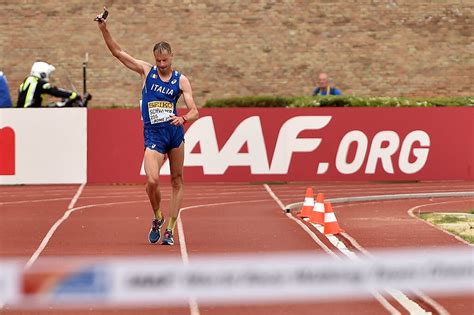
(308, 204)
(330, 222)
(317, 215)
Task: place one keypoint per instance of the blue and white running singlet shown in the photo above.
(157, 106)
(159, 98)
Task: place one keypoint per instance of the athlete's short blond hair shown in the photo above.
(162, 47)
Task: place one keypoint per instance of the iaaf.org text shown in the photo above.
(356, 150)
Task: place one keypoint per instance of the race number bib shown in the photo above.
(160, 111)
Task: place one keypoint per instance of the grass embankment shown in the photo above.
(460, 224)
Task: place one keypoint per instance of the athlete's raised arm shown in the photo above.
(139, 66)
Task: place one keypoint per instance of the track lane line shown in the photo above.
(438, 307)
(181, 237)
(194, 308)
(398, 295)
(411, 214)
(193, 303)
(301, 224)
(76, 196)
(53, 228)
(411, 306)
(390, 308)
(395, 293)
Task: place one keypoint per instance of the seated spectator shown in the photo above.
(324, 88)
(5, 99)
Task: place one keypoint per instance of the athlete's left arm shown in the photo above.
(193, 113)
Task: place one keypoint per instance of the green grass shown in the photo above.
(425, 216)
(452, 223)
(448, 219)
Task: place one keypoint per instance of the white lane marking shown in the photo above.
(301, 224)
(76, 196)
(356, 244)
(272, 194)
(383, 301)
(399, 296)
(411, 214)
(313, 236)
(193, 304)
(182, 240)
(53, 228)
(408, 304)
(337, 243)
(412, 307)
(107, 204)
(66, 214)
(438, 307)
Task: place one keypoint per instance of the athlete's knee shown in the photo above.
(177, 181)
(152, 182)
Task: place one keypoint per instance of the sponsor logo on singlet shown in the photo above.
(160, 111)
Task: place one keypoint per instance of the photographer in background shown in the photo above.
(33, 88)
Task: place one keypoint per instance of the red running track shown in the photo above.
(116, 219)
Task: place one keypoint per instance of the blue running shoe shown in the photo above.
(168, 238)
(155, 233)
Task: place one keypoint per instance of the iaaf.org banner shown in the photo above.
(279, 144)
(43, 145)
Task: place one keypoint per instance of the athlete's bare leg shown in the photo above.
(176, 157)
(153, 162)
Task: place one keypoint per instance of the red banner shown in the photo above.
(7, 151)
(279, 144)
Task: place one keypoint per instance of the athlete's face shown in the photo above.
(163, 60)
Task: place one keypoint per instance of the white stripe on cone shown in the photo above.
(318, 207)
(308, 201)
(329, 217)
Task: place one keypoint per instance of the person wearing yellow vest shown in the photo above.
(33, 88)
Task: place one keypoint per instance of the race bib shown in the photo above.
(160, 111)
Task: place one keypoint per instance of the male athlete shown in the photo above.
(163, 129)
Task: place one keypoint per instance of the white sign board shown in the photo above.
(43, 145)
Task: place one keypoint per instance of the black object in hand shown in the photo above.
(103, 16)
